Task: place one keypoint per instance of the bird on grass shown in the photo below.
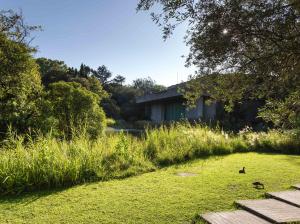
(242, 170)
(258, 185)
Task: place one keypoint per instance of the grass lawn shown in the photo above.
(158, 197)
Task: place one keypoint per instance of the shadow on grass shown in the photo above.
(29, 197)
(26, 198)
(193, 161)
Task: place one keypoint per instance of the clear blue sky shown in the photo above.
(108, 32)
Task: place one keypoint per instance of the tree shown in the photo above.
(68, 108)
(283, 113)
(85, 71)
(147, 85)
(117, 99)
(102, 74)
(53, 71)
(124, 96)
(20, 84)
(118, 80)
(13, 26)
(259, 41)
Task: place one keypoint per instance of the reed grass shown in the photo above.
(47, 162)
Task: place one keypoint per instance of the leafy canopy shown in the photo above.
(20, 84)
(257, 42)
(69, 108)
(54, 71)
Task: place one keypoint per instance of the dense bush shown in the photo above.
(20, 84)
(47, 162)
(67, 108)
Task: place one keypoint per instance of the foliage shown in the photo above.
(105, 77)
(284, 113)
(121, 103)
(253, 36)
(103, 74)
(119, 80)
(20, 85)
(124, 97)
(117, 99)
(48, 162)
(146, 86)
(67, 108)
(110, 122)
(229, 88)
(13, 26)
(257, 41)
(54, 71)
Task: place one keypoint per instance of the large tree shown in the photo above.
(103, 74)
(257, 42)
(20, 84)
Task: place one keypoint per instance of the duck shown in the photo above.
(242, 170)
(258, 184)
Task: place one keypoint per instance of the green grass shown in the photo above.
(49, 163)
(160, 196)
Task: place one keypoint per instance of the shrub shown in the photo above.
(68, 109)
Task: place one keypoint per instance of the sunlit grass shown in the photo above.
(46, 162)
(158, 197)
(178, 143)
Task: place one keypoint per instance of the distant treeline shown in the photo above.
(44, 95)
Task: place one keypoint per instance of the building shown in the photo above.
(169, 105)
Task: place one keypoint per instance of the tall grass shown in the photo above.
(180, 142)
(47, 162)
